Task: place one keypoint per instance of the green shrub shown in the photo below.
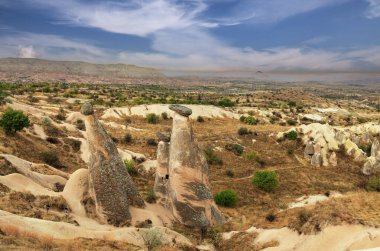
(152, 238)
(127, 138)
(242, 118)
(152, 118)
(226, 103)
(244, 131)
(212, 158)
(292, 104)
(200, 119)
(366, 148)
(293, 135)
(226, 198)
(130, 166)
(235, 148)
(250, 120)
(250, 155)
(373, 184)
(50, 158)
(151, 196)
(291, 122)
(265, 180)
(230, 173)
(81, 125)
(12, 121)
(151, 142)
(164, 115)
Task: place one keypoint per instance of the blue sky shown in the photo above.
(312, 35)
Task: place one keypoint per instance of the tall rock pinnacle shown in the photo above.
(110, 185)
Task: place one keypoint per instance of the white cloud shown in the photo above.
(271, 11)
(374, 9)
(133, 17)
(49, 46)
(180, 38)
(27, 52)
(190, 55)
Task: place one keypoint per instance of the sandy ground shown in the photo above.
(332, 238)
(312, 200)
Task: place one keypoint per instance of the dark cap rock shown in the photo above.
(87, 109)
(181, 110)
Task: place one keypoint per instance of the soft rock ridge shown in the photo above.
(110, 185)
(182, 178)
(322, 141)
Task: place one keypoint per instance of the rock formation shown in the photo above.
(182, 178)
(322, 141)
(110, 185)
(372, 165)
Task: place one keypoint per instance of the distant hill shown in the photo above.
(30, 69)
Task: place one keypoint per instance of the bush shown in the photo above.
(164, 115)
(52, 140)
(81, 125)
(250, 155)
(130, 166)
(200, 119)
(212, 158)
(51, 158)
(226, 198)
(61, 114)
(292, 104)
(291, 122)
(230, 173)
(235, 148)
(151, 196)
(151, 142)
(226, 103)
(366, 148)
(12, 121)
(270, 217)
(293, 135)
(152, 118)
(152, 238)
(242, 118)
(373, 184)
(250, 120)
(127, 138)
(265, 180)
(244, 131)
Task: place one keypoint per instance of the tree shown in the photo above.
(12, 121)
(265, 180)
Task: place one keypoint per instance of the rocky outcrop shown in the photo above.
(110, 185)
(372, 165)
(322, 141)
(182, 178)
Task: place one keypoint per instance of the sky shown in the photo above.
(197, 35)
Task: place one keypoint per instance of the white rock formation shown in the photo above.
(182, 178)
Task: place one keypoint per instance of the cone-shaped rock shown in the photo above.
(182, 176)
(110, 185)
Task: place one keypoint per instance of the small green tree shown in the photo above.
(226, 198)
(152, 118)
(250, 120)
(265, 180)
(130, 166)
(293, 135)
(12, 121)
(373, 184)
